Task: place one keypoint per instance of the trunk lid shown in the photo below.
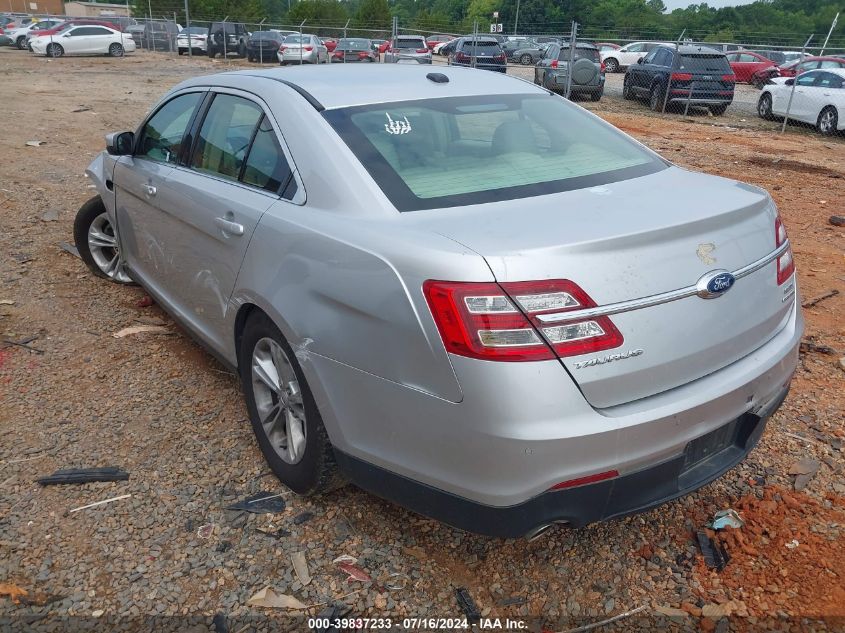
(633, 239)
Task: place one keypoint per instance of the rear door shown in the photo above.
(806, 99)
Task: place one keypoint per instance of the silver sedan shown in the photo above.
(454, 289)
(302, 49)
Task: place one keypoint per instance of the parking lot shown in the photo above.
(158, 406)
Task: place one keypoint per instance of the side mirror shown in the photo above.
(789, 82)
(120, 143)
(640, 60)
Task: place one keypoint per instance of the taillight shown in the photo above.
(461, 57)
(361, 55)
(309, 48)
(681, 77)
(283, 48)
(601, 67)
(554, 63)
(493, 321)
(422, 50)
(729, 78)
(786, 264)
(337, 54)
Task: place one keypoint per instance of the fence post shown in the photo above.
(172, 40)
(260, 42)
(794, 80)
(573, 38)
(472, 60)
(675, 59)
(832, 26)
(300, 43)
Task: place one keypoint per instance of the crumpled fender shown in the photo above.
(100, 172)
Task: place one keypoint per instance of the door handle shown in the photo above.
(151, 191)
(227, 226)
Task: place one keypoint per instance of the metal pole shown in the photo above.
(172, 41)
(794, 80)
(573, 38)
(472, 59)
(300, 44)
(225, 37)
(149, 23)
(188, 27)
(260, 42)
(346, 26)
(675, 59)
(832, 26)
(516, 19)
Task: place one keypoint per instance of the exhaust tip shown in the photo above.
(537, 532)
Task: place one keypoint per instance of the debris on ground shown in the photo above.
(837, 220)
(262, 503)
(726, 518)
(99, 503)
(302, 517)
(142, 329)
(35, 143)
(345, 558)
(205, 531)
(819, 298)
(7, 302)
(82, 108)
(145, 302)
(50, 215)
(804, 470)
(354, 573)
(329, 615)
(13, 592)
(219, 623)
(223, 546)
(793, 544)
(273, 532)
(84, 476)
(24, 343)
(267, 597)
(69, 248)
(715, 555)
(300, 566)
(809, 346)
(467, 605)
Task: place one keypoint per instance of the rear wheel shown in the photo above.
(611, 65)
(182, 51)
(116, 50)
(828, 121)
(627, 92)
(526, 60)
(55, 50)
(211, 52)
(282, 410)
(656, 98)
(764, 106)
(719, 110)
(596, 95)
(96, 241)
(242, 50)
(21, 43)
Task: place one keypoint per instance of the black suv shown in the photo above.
(695, 74)
(232, 41)
(485, 49)
(552, 70)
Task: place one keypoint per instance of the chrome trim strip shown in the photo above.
(653, 300)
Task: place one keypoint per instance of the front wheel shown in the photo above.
(655, 98)
(21, 43)
(611, 65)
(116, 50)
(282, 410)
(55, 50)
(627, 92)
(719, 110)
(526, 60)
(596, 95)
(828, 121)
(96, 241)
(764, 106)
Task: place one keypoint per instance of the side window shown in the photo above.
(828, 80)
(651, 57)
(807, 79)
(98, 30)
(161, 138)
(266, 166)
(635, 48)
(745, 57)
(664, 58)
(830, 63)
(225, 134)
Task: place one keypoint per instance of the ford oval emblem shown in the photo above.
(714, 284)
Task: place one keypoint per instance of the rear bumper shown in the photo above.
(575, 507)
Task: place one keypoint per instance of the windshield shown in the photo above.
(580, 52)
(193, 30)
(469, 150)
(354, 45)
(705, 63)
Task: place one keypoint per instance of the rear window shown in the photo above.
(420, 43)
(485, 46)
(354, 45)
(587, 53)
(469, 150)
(704, 63)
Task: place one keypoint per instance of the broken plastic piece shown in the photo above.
(726, 518)
(467, 605)
(302, 517)
(262, 503)
(715, 556)
(300, 566)
(792, 544)
(84, 475)
(354, 573)
(269, 598)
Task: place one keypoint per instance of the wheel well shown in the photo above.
(241, 318)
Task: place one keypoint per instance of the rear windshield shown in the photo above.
(298, 39)
(469, 150)
(354, 45)
(481, 46)
(266, 35)
(193, 30)
(587, 53)
(705, 63)
(410, 44)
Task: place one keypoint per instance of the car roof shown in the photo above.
(339, 85)
(410, 37)
(687, 49)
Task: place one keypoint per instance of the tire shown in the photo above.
(182, 51)
(611, 65)
(655, 98)
(21, 43)
(596, 95)
(526, 60)
(96, 242)
(627, 92)
(536, 78)
(764, 107)
(719, 110)
(307, 466)
(55, 50)
(250, 58)
(211, 52)
(242, 50)
(116, 50)
(828, 121)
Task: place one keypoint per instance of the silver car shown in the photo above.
(408, 49)
(454, 289)
(302, 49)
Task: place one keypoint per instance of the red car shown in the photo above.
(329, 43)
(70, 23)
(761, 77)
(745, 64)
(433, 40)
(383, 45)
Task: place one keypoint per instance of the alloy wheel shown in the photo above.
(102, 243)
(827, 121)
(278, 400)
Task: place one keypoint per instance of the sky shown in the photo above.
(681, 4)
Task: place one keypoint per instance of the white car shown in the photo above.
(628, 55)
(84, 40)
(19, 35)
(818, 99)
(194, 38)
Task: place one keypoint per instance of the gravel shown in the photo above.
(166, 412)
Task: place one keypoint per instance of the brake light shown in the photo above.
(601, 67)
(422, 50)
(361, 55)
(283, 48)
(786, 264)
(729, 78)
(589, 479)
(309, 48)
(337, 54)
(461, 57)
(681, 77)
(554, 63)
(493, 321)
